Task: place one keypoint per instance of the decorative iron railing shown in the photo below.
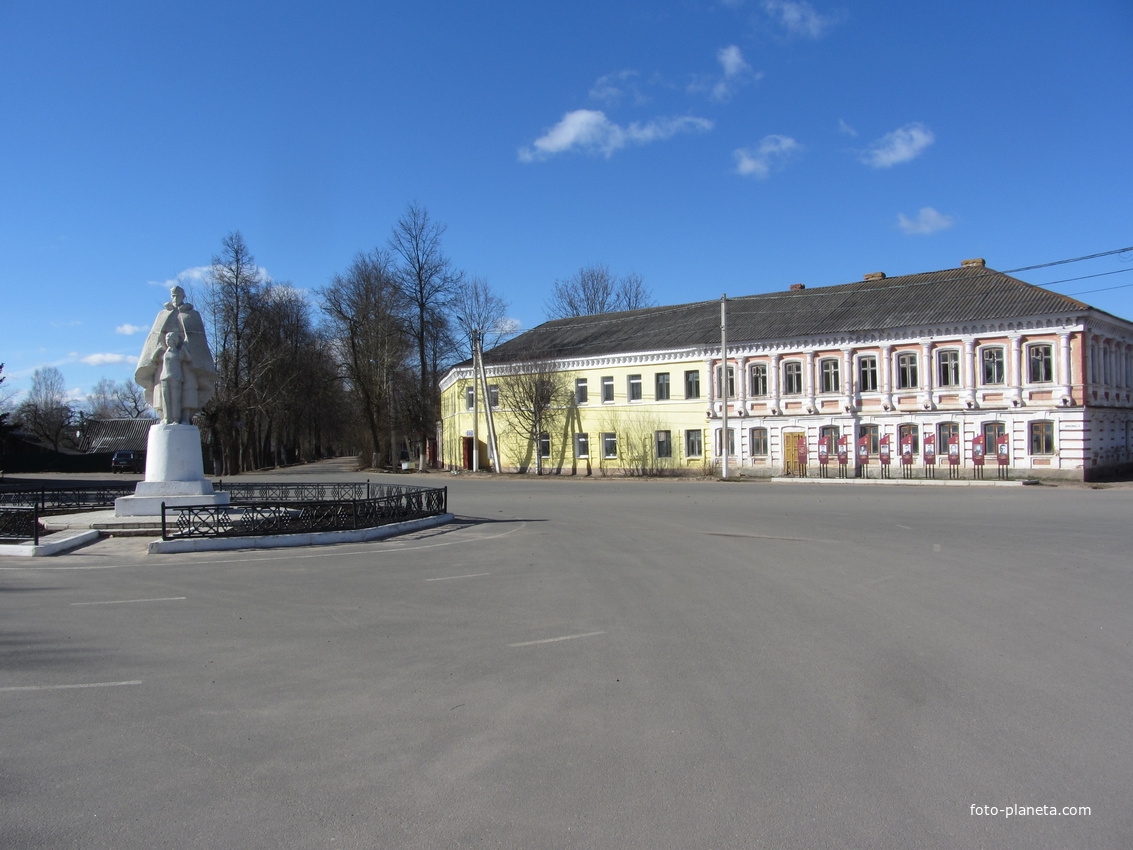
(66, 500)
(241, 492)
(19, 524)
(248, 519)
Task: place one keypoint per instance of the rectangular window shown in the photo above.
(759, 380)
(827, 431)
(992, 432)
(907, 378)
(731, 381)
(831, 375)
(661, 386)
(949, 362)
(913, 431)
(544, 445)
(1040, 359)
(609, 445)
(992, 361)
(633, 387)
(945, 431)
(693, 443)
(759, 442)
(581, 393)
(731, 442)
(664, 443)
(494, 395)
(692, 384)
(1042, 438)
(608, 388)
(582, 445)
(867, 374)
(873, 434)
(792, 378)
(469, 397)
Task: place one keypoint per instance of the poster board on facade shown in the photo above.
(907, 449)
(930, 449)
(978, 450)
(843, 456)
(954, 450)
(1003, 450)
(883, 450)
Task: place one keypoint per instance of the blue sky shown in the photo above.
(712, 146)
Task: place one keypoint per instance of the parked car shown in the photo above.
(127, 461)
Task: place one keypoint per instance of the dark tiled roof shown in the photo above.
(111, 435)
(951, 296)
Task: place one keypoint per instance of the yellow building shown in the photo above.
(1011, 376)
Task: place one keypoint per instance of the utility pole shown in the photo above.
(479, 372)
(476, 402)
(724, 382)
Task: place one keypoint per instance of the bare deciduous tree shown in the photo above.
(594, 289)
(478, 308)
(428, 282)
(531, 397)
(367, 323)
(117, 400)
(45, 411)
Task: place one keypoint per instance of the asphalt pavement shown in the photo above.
(590, 663)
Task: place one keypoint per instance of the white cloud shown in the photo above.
(737, 72)
(901, 145)
(846, 129)
(611, 88)
(731, 59)
(590, 131)
(768, 156)
(106, 359)
(188, 277)
(128, 329)
(927, 221)
(798, 17)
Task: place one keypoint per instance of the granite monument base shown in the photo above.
(175, 474)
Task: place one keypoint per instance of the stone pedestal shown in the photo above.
(175, 474)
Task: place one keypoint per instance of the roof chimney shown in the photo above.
(795, 287)
(978, 262)
(874, 276)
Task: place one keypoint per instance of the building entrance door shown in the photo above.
(791, 465)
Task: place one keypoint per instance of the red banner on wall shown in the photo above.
(954, 450)
(978, 450)
(907, 449)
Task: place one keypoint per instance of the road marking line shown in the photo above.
(67, 687)
(450, 578)
(554, 640)
(124, 601)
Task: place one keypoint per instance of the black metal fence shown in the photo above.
(241, 493)
(284, 516)
(66, 500)
(18, 524)
(63, 500)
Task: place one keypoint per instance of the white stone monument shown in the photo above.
(177, 372)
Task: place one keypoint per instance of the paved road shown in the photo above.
(599, 664)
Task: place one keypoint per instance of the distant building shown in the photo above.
(969, 356)
(112, 435)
